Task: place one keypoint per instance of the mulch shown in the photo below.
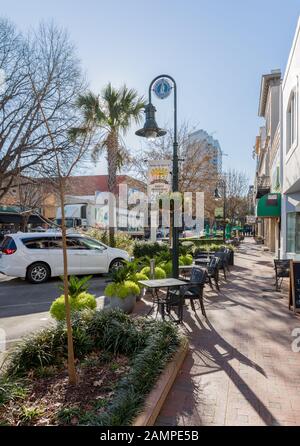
(49, 395)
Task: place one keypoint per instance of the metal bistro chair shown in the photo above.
(223, 263)
(192, 291)
(282, 270)
(213, 272)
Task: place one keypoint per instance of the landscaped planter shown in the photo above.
(158, 395)
(125, 368)
(126, 305)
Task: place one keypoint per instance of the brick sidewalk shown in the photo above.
(240, 369)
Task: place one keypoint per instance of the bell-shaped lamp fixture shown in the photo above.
(150, 129)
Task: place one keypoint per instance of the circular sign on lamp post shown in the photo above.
(162, 88)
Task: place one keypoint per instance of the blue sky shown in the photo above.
(217, 51)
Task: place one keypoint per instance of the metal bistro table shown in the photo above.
(203, 261)
(162, 302)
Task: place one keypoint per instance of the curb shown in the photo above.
(159, 393)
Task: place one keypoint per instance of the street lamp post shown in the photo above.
(222, 184)
(151, 130)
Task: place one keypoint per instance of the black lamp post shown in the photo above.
(151, 130)
(222, 184)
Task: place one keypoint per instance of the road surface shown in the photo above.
(24, 307)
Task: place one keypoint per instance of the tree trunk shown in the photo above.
(112, 164)
(71, 360)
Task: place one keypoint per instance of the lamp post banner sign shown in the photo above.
(159, 179)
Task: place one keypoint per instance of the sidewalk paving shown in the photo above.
(240, 369)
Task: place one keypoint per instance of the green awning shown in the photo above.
(269, 206)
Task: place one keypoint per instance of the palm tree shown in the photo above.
(108, 116)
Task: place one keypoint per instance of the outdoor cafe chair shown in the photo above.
(192, 291)
(282, 270)
(213, 272)
(223, 262)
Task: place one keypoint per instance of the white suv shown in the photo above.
(37, 256)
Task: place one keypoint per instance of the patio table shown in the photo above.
(204, 261)
(157, 284)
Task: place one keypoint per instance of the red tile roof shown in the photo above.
(88, 185)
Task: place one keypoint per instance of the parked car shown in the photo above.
(37, 257)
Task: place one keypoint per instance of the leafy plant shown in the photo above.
(11, 390)
(159, 273)
(137, 277)
(79, 303)
(29, 414)
(122, 289)
(149, 249)
(76, 285)
(186, 259)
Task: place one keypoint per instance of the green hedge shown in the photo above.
(149, 249)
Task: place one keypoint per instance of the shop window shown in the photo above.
(291, 121)
(293, 232)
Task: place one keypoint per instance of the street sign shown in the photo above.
(162, 88)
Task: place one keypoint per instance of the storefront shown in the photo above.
(293, 226)
(269, 213)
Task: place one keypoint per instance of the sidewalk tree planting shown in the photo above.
(66, 154)
(108, 117)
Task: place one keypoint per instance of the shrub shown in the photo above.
(122, 289)
(76, 286)
(167, 267)
(159, 273)
(139, 276)
(79, 303)
(186, 259)
(186, 248)
(122, 240)
(149, 249)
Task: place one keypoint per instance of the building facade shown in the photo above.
(290, 154)
(267, 186)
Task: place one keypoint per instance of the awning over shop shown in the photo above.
(15, 218)
(269, 206)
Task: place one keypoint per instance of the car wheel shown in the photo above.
(116, 264)
(38, 273)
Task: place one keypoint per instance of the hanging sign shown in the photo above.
(159, 179)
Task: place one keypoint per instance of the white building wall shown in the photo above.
(290, 156)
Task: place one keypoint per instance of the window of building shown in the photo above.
(291, 121)
(293, 232)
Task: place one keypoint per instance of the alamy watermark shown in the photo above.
(136, 210)
(296, 342)
(2, 340)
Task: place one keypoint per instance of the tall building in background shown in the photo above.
(209, 146)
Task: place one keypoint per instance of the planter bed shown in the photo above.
(119, 361)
